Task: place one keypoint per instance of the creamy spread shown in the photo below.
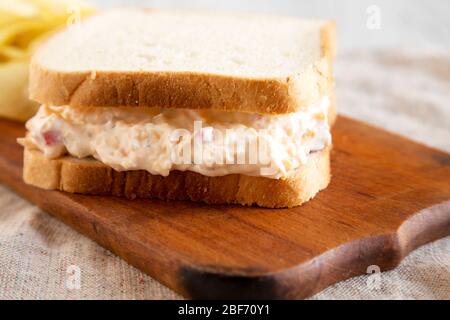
(159, 140)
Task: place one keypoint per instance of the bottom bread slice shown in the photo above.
(89, 176)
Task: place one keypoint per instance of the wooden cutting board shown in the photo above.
(388, 196)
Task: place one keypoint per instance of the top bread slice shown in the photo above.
(195, 60)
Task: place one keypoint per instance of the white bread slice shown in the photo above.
(89, 176)
(143, 57)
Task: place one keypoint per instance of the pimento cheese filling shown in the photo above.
(159, 140)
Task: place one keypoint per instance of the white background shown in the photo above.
(412, 23)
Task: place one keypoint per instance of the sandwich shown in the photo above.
(222, 108)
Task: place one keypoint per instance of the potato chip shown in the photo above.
(23, 25)
(14, 104)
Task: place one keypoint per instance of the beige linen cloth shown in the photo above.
(405, 92)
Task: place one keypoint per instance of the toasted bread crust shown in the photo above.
(89, 176)
(186, 89)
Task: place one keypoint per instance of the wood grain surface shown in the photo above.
(388, 196)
